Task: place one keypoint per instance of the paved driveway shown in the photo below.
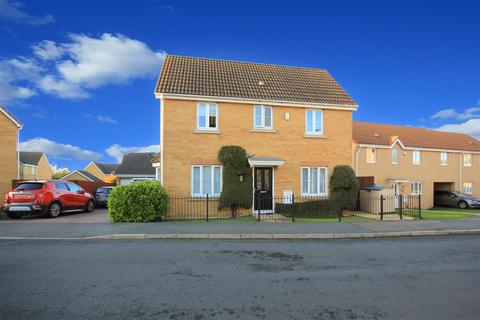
(97, 216)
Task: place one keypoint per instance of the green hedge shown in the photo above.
(309, 209)
(144, 201)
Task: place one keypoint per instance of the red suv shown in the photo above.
(49, 198)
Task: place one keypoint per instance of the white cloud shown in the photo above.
(70, 70)
(470, 127)
(58, 150)
(11, 72)
(13, 11)
(116, 151)
(48, 50)
(453, 114)
(101, 118)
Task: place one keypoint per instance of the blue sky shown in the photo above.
(80, 74)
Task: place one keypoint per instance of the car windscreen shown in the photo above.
(29, 186)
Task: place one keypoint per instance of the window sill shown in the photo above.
(324, 196)
(207, 131)
(314, 136)
(263, 130)
(204, 198)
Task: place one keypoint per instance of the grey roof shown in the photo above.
(11, 116)
(136, 163)
(31, 158)
(107, 168)
(245, 80)
(86, 174)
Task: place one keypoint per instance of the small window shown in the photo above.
(314, 181)
(207, 116)
(467, 188)
(416, 188)
(417, 157)
(467, 160)
(206, 180)
(371, 155)
(443, 158)
(34, 170)
(314, 122)
(395, 156)
(263, 117)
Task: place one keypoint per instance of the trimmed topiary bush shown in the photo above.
(235, 193)
(344, 187)
(143, 201)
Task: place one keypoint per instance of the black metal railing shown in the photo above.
(295, 208)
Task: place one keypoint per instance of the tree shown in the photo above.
(58, 173)
(237, 179)
(344, 187)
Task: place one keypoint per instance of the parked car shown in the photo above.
(49, 198)
(455, 199)
(101, 196)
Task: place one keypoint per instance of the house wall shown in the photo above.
(184, 147)
(77, 176)
(430, 171)
(8, 154)
(26, 172)
(44, 172)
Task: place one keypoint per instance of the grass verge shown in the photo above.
(440, 213)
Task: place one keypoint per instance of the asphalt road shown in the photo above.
(405, 278)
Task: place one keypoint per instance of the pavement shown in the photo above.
(95, 225)
(400, 278)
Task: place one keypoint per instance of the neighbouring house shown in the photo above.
(295, 122)
(9, 136)
(81, 175)
(135, 166)
(34, 166)
(416, 160)
(156, 165)
(103, 171)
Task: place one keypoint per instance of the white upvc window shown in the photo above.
(416, 188)
(314, 122)
(467, 188)
(467, 159)
(443, 158)
(206, 180)
(314, 181)
(207, 116)
(371, 155)
(416, 157)
(262, 117)
(394, 156)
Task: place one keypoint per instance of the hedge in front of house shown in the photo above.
(321, 209)
(143, 201)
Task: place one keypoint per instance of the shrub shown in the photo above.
(324, 208)
(144, 201)
(235, 193)
(344, 187)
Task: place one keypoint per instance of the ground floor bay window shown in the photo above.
(314, 181)
(206, 180)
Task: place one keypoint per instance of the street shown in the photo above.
(403, 278)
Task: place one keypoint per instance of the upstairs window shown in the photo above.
(314, 122)
(467, 160)
(395, 156)
(207, 116)
(262, 117)
(371, 155)
(443, 158)
(417, 157)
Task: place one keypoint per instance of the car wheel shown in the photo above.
(463, 205)
(54, 210)
(12, 215)
(90, 206)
